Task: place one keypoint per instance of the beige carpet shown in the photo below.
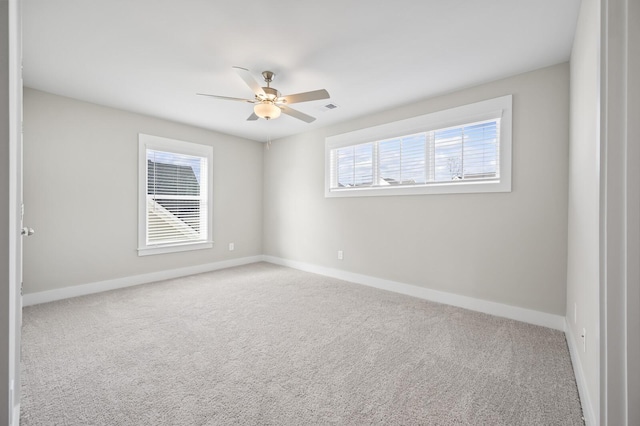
(267, 345)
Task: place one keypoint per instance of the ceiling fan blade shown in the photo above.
(249, 80)
(297, 114)
(226, 98)
(252, 117)
(306, 96)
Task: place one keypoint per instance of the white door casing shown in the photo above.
(15, 206)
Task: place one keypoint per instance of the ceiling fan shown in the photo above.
(268, 102)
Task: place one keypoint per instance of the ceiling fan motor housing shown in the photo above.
(271, 93)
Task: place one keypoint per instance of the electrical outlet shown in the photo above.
(340, 255)
(232, 247)
(584, 340)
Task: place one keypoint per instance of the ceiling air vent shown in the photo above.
(328, 107)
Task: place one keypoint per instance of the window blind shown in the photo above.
(176, 198)
(354, 165)
(469, 152)
(401, 161)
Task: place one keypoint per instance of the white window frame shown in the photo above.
(480, 111)
(158, 143)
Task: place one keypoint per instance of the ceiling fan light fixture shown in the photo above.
(266, 110)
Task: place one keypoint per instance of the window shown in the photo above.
(463, 149)
(174, 203)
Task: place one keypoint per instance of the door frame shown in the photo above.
(11, 217)
(620, 214)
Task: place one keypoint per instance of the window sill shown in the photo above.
(174, 248)
(432, 188)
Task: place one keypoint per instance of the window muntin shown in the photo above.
(175, 198)
(464, 149)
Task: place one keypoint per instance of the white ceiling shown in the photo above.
(152, 56)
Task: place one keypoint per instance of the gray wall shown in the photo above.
(584, 197)
(81, 192)
(503, 247)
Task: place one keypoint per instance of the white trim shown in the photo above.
(179, 147)
(174, 248)
(619, 224)
(100, 286)
(530, 316)
(581, 381)
(15, 122)
(16, 415)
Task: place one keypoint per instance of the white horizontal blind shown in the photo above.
(401, 161)
(354, 165)
(176, 198)
(469, 152)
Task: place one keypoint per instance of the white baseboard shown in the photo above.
(587, 406)
(530, 316)
(100, 286)
(544, 319)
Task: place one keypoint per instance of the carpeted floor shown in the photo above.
(267, 345)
